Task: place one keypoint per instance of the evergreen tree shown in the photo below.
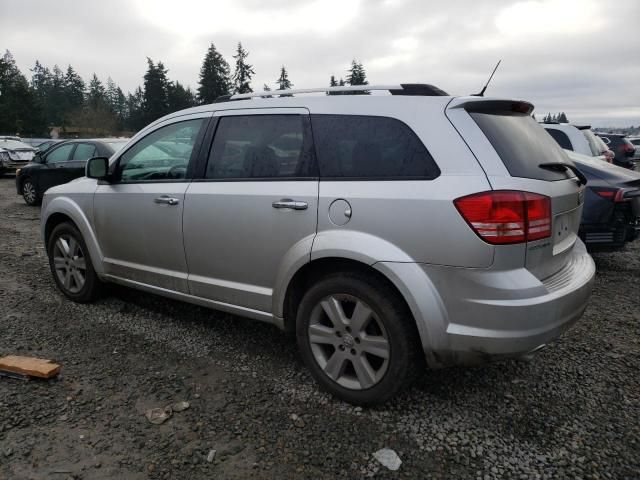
(283, 80)
(332, 82)
(56, 106)
(179, 97)
(96, 96)
(111, 94)
(135, 114)
(243, 72)
(562, 118)
(19, 109)
(356, 75)
(266, 88)
(73, 89)
(156, 89)
(214, 77)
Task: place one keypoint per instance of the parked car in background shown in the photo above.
(46, 145)
(611, 213)
(14, 154)
(380, 239)
(60, 164)
(577, 138)
(636, 146)
(609, 155)
(622, 147)
(11, 137)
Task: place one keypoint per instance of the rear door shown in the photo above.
(74, 168)
(510, 146)
(255, 208)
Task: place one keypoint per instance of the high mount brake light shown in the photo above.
(506, 216)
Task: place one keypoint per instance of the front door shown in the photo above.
(255, 209)
(53, 170)
(138, 216)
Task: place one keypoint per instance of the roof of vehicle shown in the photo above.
(621, 135)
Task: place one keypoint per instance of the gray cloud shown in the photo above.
(577, 56)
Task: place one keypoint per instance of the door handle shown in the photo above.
(165, 200)
(291, 204)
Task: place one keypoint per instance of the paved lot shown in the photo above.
(572, 412)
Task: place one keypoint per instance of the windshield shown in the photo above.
(13, 145)
(594, 145)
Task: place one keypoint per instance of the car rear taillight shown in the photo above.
(505, 216)
(614, 194)
(628, 147)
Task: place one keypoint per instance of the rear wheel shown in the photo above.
(29, 193)
(357, 338)
(71, 265)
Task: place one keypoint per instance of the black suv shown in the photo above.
(622, 147)
(60, 164)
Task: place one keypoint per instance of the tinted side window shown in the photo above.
(60, 154)
(260, 146)
(561, 138)
(162, 155)
(84, 151)
(355, 146)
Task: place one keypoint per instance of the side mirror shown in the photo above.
(98, 168)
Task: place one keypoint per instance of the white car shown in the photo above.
(577, 138)
(636, 145)
(14, 154)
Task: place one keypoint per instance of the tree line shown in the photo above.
(56, 97)
(555, 118)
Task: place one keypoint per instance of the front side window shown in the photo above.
(60, 154)
(354, 146)
(261, 147)
(162, 155)
(84, 151)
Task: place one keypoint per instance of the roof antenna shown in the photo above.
(481, 94)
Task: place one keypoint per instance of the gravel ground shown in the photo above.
(571, 412)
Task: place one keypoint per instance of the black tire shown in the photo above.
(391, 318)
(92, 286)
(30, 193)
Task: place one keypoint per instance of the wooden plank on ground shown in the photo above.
(34, 367)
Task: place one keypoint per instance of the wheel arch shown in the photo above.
(60, 210)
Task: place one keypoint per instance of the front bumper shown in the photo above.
(491, 314)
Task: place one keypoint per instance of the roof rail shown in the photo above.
(419, 89)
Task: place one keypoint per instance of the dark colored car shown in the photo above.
(46, 145)
(60, 164)
(611, 213)
(622, 147)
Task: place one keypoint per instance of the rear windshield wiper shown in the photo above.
(563, 167)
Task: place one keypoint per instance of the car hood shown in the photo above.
(605, 171)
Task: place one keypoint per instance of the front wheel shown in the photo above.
(29, 193)
(71, 265)
(357, 338)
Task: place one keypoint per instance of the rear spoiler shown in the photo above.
(496, 106)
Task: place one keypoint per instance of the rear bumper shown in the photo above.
(487, 314)
(610, 235)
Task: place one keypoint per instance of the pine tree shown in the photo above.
(214, 77)
(18, 104)
(283, 80)
(357, 75)
(73, 89)
(156, 89)
(562, 118)
(341, 83)
(96, 96)
(332, 82)
(135, 114)
(179, 97)
(243, 72)
(266, 88)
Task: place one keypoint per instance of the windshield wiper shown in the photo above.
(563, 167)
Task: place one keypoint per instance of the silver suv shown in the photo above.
(387, 231)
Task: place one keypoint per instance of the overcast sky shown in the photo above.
(577, 56)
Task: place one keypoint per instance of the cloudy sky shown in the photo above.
(577, 56)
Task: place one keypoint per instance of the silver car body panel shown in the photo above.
(225, 247)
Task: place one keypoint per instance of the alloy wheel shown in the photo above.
(29, 192)
(69, 263)
(349, 342)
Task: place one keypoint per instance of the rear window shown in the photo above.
(522, 144)
(367, 147)
(561, 138)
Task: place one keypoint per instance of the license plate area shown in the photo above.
(565, 228)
